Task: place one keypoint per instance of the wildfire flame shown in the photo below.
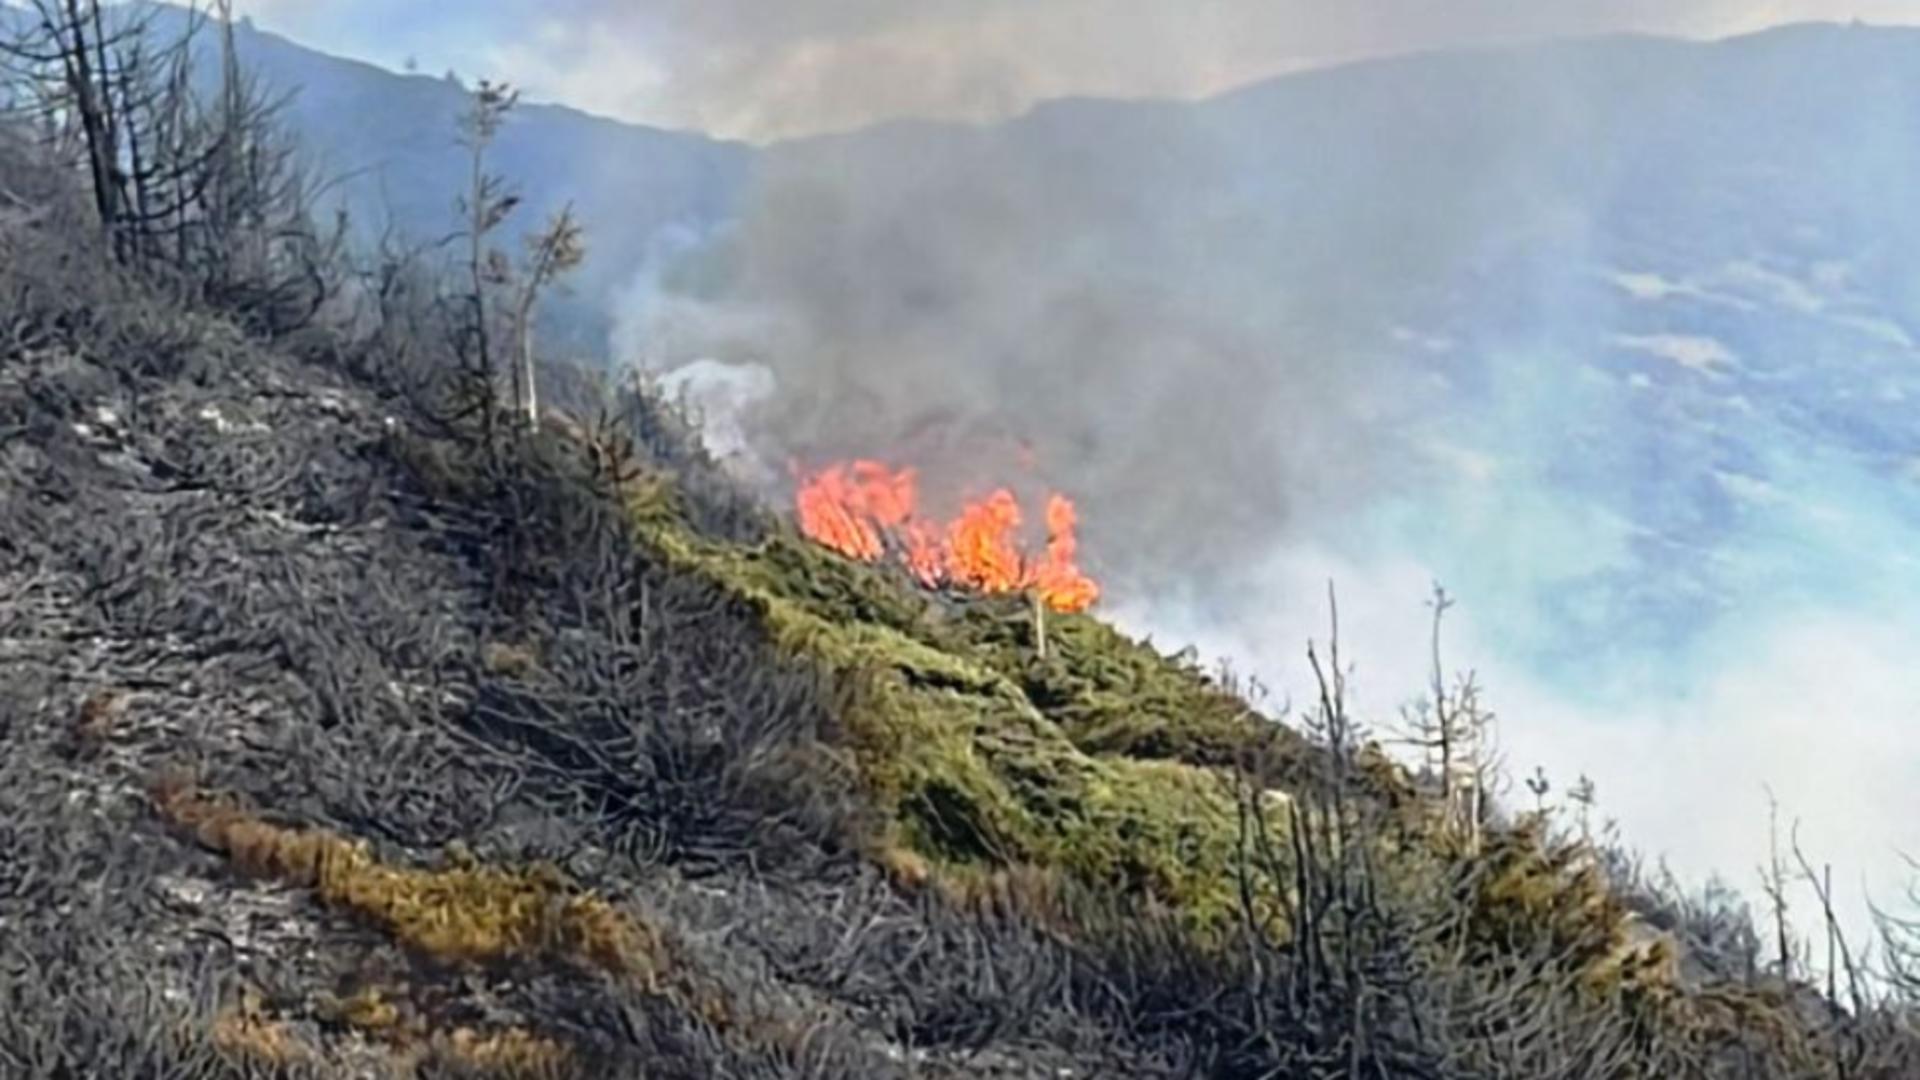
(869, 511)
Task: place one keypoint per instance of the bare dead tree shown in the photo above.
(1584, 795)
(1773, 883)
(1822, 886)
(60, 58)
(1344, 969)
(208, 191)
(483, 207)
(1899, 937)
(551, 253)
(1453, 732)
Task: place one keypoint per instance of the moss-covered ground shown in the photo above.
(1108, 762)
(987, 755)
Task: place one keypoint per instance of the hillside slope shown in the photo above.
(334, 742)
(278, 789)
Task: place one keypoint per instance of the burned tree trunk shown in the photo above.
(206, 190)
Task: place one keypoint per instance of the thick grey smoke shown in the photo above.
(770, 70)
(1183, 315)
(1066, 302)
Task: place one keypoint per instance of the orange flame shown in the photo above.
(1058, 577)
(926, 552)
(868, 511)
(981, 552)
(832, 509)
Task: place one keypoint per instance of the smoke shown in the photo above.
(721, 399)
(1606, 341)
(763, 71)
(969, 309)
(1687, 674)
(1611, 341)
(1811, 704)
(1183, 316)
(760, 72)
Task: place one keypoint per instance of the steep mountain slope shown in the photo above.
(330, 751)
(337, 742)
(282, 795)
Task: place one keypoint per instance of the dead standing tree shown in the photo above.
(206, 188)
(483, 207)
(1454, 733)
(253, 201)
(550, 254)
(61, 59)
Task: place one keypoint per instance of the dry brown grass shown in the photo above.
(513, 661)
(1023, 893)
(464, 914)
(409, 1041)
(244, 1032)
(369, 1009)
(97, 718)
(513, 1053)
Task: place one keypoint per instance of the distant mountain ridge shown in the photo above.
(392, 135)
(389, 138)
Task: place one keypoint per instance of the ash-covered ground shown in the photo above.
(224, 569)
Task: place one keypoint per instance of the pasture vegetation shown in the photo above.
(364, 717)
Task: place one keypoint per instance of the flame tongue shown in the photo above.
(1058, 576)
(833, 511)
(981, 549)
(867, 511)
(886, 496)
(926, 552)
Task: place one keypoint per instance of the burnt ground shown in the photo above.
(221, 567)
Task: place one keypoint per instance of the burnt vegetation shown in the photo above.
(367, 709)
